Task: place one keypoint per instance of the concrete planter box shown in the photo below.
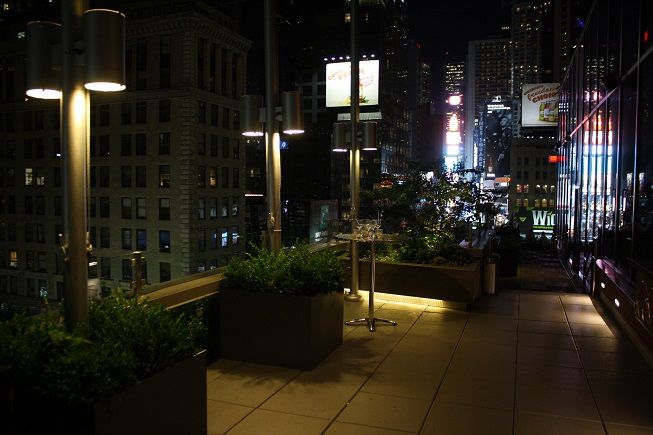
(460, 285)
(173, 401)
(281, 330)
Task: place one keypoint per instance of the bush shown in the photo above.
(128, 340)
(293, 271)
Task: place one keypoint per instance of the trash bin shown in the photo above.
(489, 280)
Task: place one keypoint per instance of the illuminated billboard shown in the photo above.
(338, 83)
(498, 135)
(539, 105)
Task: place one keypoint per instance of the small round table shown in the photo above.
(371, 321)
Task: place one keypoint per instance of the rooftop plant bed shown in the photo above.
(88, 380)
(282, 309)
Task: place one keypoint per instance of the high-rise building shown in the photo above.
(488, 81)
(454, 86)
(531, 34)
(166, 158)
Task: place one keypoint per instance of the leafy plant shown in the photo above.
(128, 340)
(430, 211)
(293, 271)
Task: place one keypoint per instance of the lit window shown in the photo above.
(225, 238)
(545, 203)
(525, 188)
(518, 202)
(525, 202)
(29, 177)
(537, 203)
(234, 235)
(518, 187)
(13, 259)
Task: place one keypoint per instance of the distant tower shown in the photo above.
(454, 86)
(488, 78)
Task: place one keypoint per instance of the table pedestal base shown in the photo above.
(370, 322)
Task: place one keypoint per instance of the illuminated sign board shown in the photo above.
(338, 83)
(556, 159)
(539, 105)
(452, 138)
(534, 219)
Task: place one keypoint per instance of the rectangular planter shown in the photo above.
(460, 284)
(173, 401)
(281, 330)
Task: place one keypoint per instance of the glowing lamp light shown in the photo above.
(455, 100)
(616, 302)
(44, 94)
(104, 56)
(104, 86)
(42, 78)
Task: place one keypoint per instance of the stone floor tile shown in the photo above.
(544, 327)
(550, 341)
(222, 416)
(585, 329)
(487, 393)
(528, 423)
(405, 382)
(220, 367)
(268, 422)
(324, 400)
(565, 378)
(576, 300)
(459, 419)
(339, 428)
(625, 409)
(389, 412)
(542, 356)
(249, 384)
(621, 429)
(556, 401)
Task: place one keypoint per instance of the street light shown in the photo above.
(98, 35)
(290, 113)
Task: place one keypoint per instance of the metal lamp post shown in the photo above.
(290, 113)
(98, 35)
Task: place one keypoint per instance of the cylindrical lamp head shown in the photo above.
(339, 137)
(369, 135)
(252, 125)
(292, 116)
(43, 74)
(104, 53)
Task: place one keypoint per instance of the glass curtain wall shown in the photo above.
(605, 179)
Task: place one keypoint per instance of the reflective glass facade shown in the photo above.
(605, 178)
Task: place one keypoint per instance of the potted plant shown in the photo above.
(430, 211)
(282, 309)
(135, 369)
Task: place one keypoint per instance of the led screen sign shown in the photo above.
(539, 105)
(338, 83)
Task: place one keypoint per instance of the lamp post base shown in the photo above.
(353, 297)
(370, 322)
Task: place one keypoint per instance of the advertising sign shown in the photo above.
(533, 219)
(338, 83)
(539, 105)
(498, 136)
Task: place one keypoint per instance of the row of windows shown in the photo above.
(33, 287)
(539, 161)
(524, 188)
(538, 203)
(211, 113)
(524, 175)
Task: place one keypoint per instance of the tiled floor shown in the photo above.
(518, 363)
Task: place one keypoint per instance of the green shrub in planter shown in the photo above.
(282, 309)
(127, 340)
(293, 271)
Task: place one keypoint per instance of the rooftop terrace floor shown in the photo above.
(520, 362)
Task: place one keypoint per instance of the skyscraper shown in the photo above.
(166, 158)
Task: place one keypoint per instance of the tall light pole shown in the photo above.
(290, 112)
(92, 58)
(272, 142)
(354, 154)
